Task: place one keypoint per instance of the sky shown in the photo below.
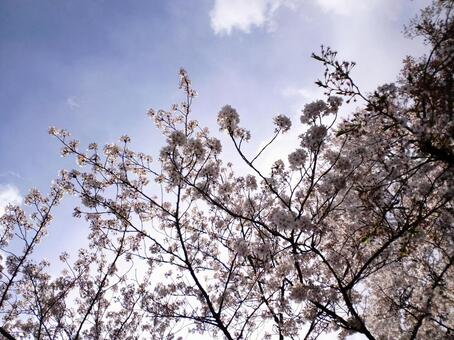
(95, 68)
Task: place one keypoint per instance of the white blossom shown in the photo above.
(297, 159)
(314, 137)
(283, 123)
(312, 111)
(228, 119)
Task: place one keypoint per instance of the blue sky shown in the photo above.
(95, 67)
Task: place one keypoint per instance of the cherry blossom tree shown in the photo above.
(352, 232)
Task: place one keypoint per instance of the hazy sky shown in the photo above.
(95, 67)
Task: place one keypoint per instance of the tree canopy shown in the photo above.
(351, 232)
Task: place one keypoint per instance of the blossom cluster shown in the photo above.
(228, 119)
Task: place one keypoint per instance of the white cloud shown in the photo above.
(228, 15)
(9, 194)
(243, 15)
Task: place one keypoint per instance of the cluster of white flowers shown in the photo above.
(210, 170)
(304, 223)
(297, 158)
(312, 111)
(60, 133)
(319, 108)
(332, 183)
(343, 163)
(185, 82)
(111, 150)
(278, 167)
(299, 292)
(33, 197)
(177, 138)
(225, 189)
(125, 139)
(314, 137)
(151, 113)
(73, 144)
(81, 159)
(214, 145)
(388, 89)
(242, 134)
(262, 250)
(251, 182)
(228, 119)
(334, 102)
(165, 152)
(282, 219)
(194, 147)
(93, 146)
(283, 123)
(241, 247)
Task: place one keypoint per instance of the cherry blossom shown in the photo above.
(353, 235)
